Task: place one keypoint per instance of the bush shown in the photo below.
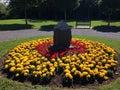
(3, 11)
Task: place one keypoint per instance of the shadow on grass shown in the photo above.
(105, 28)
(37, 20)
(5, 27)
(47, 27)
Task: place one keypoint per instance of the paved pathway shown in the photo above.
(10, 34)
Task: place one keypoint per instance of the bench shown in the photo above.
(83, 23)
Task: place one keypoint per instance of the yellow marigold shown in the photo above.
(85, 73)
(72, 59)
(63, 58)
(67, 60)
(38, 62)
(39, 72)
(51, 73)
(95, 71)
(6, 66)
(107, 66)
(12, 69)
(81, 74)
(101, 74)
(104, 61)
(93, 62)
(25, 74)
(52, 70)
(81, 65)
(67, 71)
(76, 72)
(87, 69)
(88, 76)
(35, 75)
(105, 77)
(44, 75)
(99, 63)
(11, 64)
(17, 74)
(69, 75)
(73, 69)
(61, 64)
(19, 69)
(53, 60)
(73, 63)
(113, 64)
(67, 67)
(7, 61)
(97, 59)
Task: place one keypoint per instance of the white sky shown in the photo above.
(4, 1)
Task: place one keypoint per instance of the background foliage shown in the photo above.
(55, 9)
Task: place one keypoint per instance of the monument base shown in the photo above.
(60, 48)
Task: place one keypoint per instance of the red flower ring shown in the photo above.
(43, 48)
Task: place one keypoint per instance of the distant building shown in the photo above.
(5, 2)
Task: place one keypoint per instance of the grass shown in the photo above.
(6, 84)
(14, 24)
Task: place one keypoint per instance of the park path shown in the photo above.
(14, 34)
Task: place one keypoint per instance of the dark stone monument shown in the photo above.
(62, 36)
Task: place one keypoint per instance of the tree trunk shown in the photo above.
(109, 17)
(65, 14)
(25, 12)
(26, 21)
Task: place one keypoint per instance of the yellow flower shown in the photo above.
(67, 67)
(88, 76)
(85, 73)
(81, 65)
(63, 58)
(25, 74)
(113, 64)
(6, 66)
(69, 75)
(81, 74)
(44, 75)
(105, 77)
(7, 61)
(101, 74)
(39, 73)
(11, 64)
(12, 69)
(51, 73)
(95, 71)
(73, 69)
(99, 63)
(53, 60)
(76, 72)
(67, 71)
(17, 74)
(38, 62)
(104, 60)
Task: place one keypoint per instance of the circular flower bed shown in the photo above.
(86, 61)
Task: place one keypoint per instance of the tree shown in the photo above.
(65, 5)
(108, 7)
(2, 11)
(24, 5)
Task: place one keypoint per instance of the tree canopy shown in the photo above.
(108, 7)
(64, 9)
(2, 10)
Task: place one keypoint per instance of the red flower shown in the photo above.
(43, 49)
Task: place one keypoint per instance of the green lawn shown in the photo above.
(6, 84)
(15, 24)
